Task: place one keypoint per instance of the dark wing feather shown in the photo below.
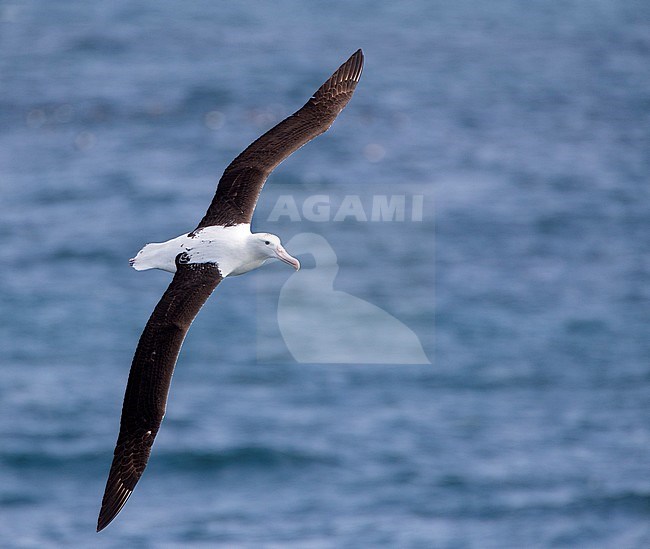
(241, 183)
(149, 380)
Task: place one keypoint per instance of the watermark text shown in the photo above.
(322, 208)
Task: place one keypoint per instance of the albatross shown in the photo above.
(221, 245)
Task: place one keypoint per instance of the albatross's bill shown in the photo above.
(283, 255)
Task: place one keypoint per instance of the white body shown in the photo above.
(234, 249)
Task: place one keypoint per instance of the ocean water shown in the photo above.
(523, 128)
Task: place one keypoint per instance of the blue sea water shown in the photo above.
(526, 128)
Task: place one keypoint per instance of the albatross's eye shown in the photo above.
(266, 242)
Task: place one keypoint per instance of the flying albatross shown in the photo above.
(222, 245)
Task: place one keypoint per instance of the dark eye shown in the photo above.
(266, 242)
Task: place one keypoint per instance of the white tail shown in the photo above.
(155, 256)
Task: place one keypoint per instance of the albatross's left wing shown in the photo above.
(149, 380)
(241, 183)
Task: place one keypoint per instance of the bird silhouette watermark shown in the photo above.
(320, 324)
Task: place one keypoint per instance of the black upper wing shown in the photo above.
(149, 380)
(241, 183)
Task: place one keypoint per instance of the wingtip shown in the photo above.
(356, 56)
(350, 71)
(355, 65)
(101, 524)
(343, 81)
(108, 516)
(115, 497)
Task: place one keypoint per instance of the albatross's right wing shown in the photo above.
(149, 380)
(241, 183)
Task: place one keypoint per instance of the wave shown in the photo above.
(495, 506)
(253, 457)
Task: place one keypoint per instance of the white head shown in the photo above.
(268, 246)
